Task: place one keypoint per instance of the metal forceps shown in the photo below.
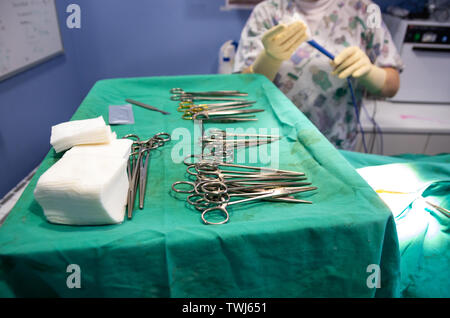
(189, 113)
(235, 177)
(224, 202)
(190, 98)
(215, 186)
(209, 171)
(220, 134)
(180, 91)
(227, 115)
(137, 166)
(190, 106)
(215, 166)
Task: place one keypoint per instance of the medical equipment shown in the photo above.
(220, 146)
(131, 101)
(179, 94)
(121, 114)
(180, 91)
(189, 105)
(137, 166)
(440, 209)
(189, 114)
(220, 141)
(88, 185)
(221, 114)
(424, 47)
(190, 98)
(215, 186)
(80, 132)
(325, 52)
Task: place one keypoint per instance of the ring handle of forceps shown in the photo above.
(199, 204)
(183, 191)
(167, 135)
(176, 90)
(194, 186)
(216, 208)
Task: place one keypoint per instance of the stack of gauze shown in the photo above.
(80, 132)
(89, 184)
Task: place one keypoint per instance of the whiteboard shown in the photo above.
(29, 34)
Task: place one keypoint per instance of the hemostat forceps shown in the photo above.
(227, 115)
(224, 201)
(180, 94)
(137, 166)
(180, 91)
(214, 188)
(190, 106)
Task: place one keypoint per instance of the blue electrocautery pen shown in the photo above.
(325, 52)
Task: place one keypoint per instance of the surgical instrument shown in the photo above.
(328, 54)
(190, 98)
(279, 192)
(221, 115)
(190, 104)
(189, 114)
(137, 166)
(214, 187)
(180, 91)
(439, 208)
(134, 102)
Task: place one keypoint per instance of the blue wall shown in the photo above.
(30, 103)
(145, 38)
(118, 38)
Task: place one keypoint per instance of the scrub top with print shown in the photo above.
(306, 78)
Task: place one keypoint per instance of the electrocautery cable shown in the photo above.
(321, 49)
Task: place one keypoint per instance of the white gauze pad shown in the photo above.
(80, 132)
(87, 186)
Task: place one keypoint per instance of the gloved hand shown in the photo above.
(279, 44)
(352, 61)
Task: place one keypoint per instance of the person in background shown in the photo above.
(272, 44)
